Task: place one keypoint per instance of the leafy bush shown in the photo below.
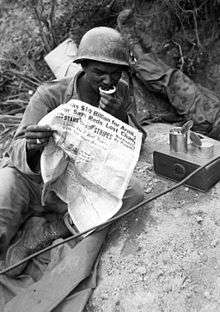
(187, 27)
(32, 28)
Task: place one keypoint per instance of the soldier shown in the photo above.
(103, 57)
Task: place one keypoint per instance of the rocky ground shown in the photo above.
(166, 256)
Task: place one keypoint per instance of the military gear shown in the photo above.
(190, 100)
(103, 44)
(195, 102)
(37, 233)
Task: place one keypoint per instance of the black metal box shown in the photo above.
(176, 166)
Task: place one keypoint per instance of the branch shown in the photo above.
(190, 11)
(196, 28)
(12, 61)
(24, 77)
(8, 119)
(42, 34)
(51, 20)
(110, 5)
(181, 54)
(16, 111)
(16, 101)
(27, 60)
(194, 13)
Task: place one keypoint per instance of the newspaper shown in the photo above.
(89, 161)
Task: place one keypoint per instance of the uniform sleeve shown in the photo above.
(127, 105)
(37, 108)
(128, 109)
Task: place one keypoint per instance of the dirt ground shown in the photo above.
(166, 256)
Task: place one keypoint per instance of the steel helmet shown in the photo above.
(103, 44)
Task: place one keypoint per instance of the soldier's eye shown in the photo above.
(98, 72)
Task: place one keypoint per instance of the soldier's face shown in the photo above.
(102, 75)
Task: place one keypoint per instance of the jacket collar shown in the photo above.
(71, 91)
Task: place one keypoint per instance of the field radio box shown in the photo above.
(180, 157)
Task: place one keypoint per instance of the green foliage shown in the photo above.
(192, 24)
(32, 28)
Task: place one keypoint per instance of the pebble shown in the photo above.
(141, 270)
(148, 189)
(214, 243)
(199, 219)
(104, 296)
(207, 295)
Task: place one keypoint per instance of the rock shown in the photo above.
(199, 219)
(141, 270)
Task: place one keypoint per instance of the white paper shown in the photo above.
(90, 161)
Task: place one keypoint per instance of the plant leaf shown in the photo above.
(195, 138)
(187, 126)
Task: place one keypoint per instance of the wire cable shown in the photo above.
(94, 228)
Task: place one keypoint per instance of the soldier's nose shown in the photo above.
(107, 81)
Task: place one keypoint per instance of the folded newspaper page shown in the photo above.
(89, 161)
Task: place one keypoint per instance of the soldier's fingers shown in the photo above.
(37, 128)
(38, 135)
(102, 105)
(104, 101)
(37, 140)
(35, 144)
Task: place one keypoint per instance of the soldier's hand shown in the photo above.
(109, 103)
(37, 136)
